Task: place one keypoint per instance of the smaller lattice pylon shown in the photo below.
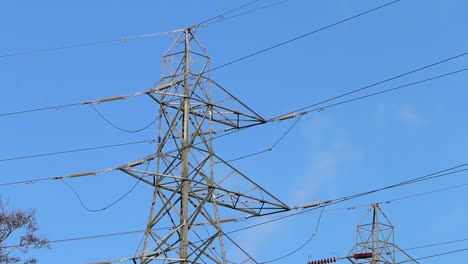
(375, 241)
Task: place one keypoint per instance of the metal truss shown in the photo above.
(375, 241)
(190, 198)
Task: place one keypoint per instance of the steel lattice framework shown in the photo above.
(189, 196)
(375, 241)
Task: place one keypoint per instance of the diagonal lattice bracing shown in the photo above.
(191, 199)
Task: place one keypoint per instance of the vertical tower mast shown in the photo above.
(185, 151)
(196, 191)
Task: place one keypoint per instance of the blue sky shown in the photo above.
(343, 150)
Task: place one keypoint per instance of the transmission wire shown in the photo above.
(111, 204)
(319, 109)
(272, 146)
(303, 245)
(302, 36)
(124, 39)
(247, 12)
(273, 220)
(438, 255)
(275, 119)
(381, 82)
(77, 150)
(221, 16)
(122, 129)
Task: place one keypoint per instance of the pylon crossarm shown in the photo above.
(217, 107)
(140, 178)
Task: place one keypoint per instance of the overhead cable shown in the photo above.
(314, 233)
(219, 134)
(68, 176)
(292, 114)
(122, 40)
(63, 106)
(151, 141)
(440, 254)
(270, 148)
(402, 198)
(125, 39)
(298, 112)
(111, 204)
(123, 129)
(224, 18)
(265, 222)
(304, 35)
(381, 82)
(221, 16)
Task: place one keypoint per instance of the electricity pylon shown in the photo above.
(375, 241)
(193, 187)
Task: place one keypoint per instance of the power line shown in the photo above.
(63, 106)
(121, 40)
(111, 204)
(299, 115)
(439, 244)
(403, 198)
(301, 246)
(86, 173)
(151, 141)
(440, 254)
(303, 36)
(221, 66)
(278, 118)
(384, 81)
(69, 176)
(426, 246)
(429, 192)
(271, 147)
(318, 109)
(57, 107)
(123, 129)
(292, 114)
(85, 238)
(269, 221)
(223, 18)
(442, 173)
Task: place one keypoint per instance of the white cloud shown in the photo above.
(325, 165)
(409, 115)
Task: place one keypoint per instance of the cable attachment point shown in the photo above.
(284, 117)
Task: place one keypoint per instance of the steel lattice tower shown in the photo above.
(190, 197)
(375, 241)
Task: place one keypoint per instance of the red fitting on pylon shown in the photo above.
(362, 255)
(323, 261)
